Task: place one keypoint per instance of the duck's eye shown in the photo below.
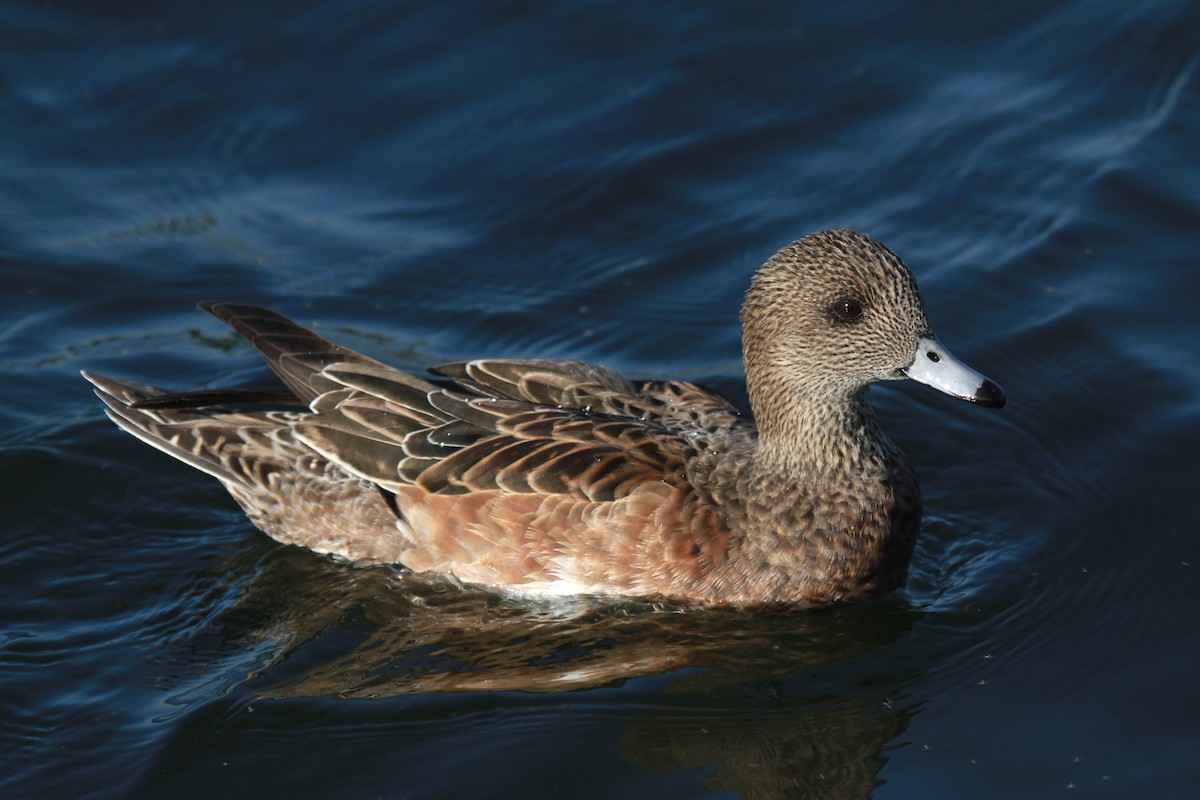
(847, 309)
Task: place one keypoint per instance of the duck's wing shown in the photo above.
(537, 426)
(527, 426)
(459, 443)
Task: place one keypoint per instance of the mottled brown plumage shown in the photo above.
(559, 477)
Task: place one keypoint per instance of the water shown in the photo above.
(432, 182)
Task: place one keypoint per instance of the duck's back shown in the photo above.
(542, 476)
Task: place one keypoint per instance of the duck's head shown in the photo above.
(836, 311)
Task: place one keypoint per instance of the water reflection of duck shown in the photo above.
(557, 477)
(370, 634)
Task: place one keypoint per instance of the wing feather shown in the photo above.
(539, 426)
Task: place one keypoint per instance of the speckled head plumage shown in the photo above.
(833, 312)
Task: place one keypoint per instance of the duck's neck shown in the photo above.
(829, 506)
(817, 433)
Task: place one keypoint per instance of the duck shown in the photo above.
(561, 478)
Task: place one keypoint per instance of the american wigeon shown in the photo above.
(558, 477)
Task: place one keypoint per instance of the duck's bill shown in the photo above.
(934, 366)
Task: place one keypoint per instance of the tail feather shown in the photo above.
(296, 354)
(194, 440)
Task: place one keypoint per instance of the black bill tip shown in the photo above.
(989, 395)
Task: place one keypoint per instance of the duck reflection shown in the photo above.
(748, 701)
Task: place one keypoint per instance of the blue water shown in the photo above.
(428, 182)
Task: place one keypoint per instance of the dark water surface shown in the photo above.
(430, 182)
